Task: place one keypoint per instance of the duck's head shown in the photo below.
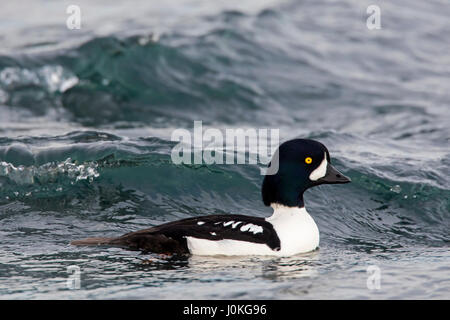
(302, 164)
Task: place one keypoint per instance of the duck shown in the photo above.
(290, 230)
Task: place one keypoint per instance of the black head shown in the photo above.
(303, 164)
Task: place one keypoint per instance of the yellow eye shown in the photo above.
(308, 160)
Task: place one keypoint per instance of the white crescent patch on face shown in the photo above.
(320, 171)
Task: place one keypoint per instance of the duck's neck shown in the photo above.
(282, 210)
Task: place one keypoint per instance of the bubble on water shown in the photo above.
(396, 189)
(144, 40)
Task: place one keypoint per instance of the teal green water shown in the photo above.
(86, 118)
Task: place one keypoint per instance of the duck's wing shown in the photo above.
(171, 237)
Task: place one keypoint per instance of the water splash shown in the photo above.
(49, 172)
(52, 78)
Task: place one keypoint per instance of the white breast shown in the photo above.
(296, 229)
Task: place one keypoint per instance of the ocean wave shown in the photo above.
(116, 174)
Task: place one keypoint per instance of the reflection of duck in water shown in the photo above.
(266, 267)
(285, 268)
(290, 230)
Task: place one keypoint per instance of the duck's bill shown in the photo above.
(333, 176)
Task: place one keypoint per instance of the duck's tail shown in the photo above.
(93, 242)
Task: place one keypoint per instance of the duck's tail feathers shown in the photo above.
(92, 242)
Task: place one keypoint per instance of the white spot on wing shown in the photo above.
(236, 224)
(250, 227)
(213, 233)
(226, 224)
(320, 171)
(200, 223)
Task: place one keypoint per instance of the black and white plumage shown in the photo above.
(173, 237)
(290, 230)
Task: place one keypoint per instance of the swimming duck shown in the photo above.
(302, 164)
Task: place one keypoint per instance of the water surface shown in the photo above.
(86, 118)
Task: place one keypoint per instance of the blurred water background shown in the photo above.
(86, 118)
